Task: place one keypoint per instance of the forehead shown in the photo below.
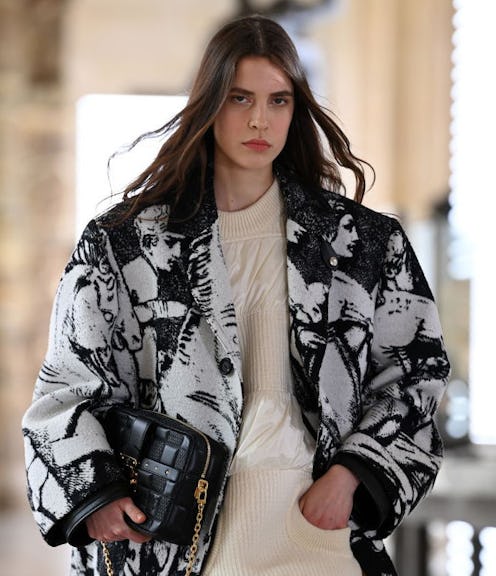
(259, 74)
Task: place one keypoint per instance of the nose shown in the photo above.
(258, 125)
(258, 119)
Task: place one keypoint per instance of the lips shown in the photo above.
(257, 145)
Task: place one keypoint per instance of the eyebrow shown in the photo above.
(250, 93)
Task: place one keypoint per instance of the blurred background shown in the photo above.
(413, 84)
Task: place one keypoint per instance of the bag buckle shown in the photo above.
(201, 491)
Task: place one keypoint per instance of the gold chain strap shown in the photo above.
(108, 560)
(201, 500)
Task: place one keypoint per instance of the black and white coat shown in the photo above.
(144, 315)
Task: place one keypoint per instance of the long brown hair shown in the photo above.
(178, 175)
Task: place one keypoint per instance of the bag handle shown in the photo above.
(201, 500)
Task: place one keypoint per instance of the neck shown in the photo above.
(238, 189)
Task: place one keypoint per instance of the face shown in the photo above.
(161, 246)
(252, 126)
(346, 239)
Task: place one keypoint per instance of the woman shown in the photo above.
(266, 329)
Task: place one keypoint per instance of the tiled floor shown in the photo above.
(24, 553)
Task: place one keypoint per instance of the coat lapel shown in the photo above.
(311, 264)
(209, 279)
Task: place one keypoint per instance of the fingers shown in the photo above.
(130, 508)
(327, 504)
(109, 525)
(329, 518)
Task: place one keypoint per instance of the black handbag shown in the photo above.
(175, 473)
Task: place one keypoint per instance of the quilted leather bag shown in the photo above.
(175, 473)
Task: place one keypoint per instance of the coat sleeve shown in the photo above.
(68, 458)
(396, 448)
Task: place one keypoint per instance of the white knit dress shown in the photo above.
(261, 530)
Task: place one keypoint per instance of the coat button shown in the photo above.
(226, 366)
(328, 254)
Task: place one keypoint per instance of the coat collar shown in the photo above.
(309, 209)
(202, 220)
(309, 220)
(312, 210)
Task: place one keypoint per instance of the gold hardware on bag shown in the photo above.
(131, 464)
(201, 499)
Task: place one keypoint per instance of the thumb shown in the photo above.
(131, 510)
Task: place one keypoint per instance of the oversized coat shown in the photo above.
(144, 316)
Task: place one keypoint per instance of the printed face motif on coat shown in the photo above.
(158, 301)
(331, 325)
(158, 245)
(344, 239)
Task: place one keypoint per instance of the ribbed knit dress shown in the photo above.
(261, 530)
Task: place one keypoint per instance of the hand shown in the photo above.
(108, 523)
(328, 502)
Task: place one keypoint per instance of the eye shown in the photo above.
(280, 101)
(239, 99)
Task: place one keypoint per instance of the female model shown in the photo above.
(236, 288)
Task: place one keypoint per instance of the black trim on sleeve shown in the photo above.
(371, 505)
(74, 526)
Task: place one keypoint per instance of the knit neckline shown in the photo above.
(266, 215)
